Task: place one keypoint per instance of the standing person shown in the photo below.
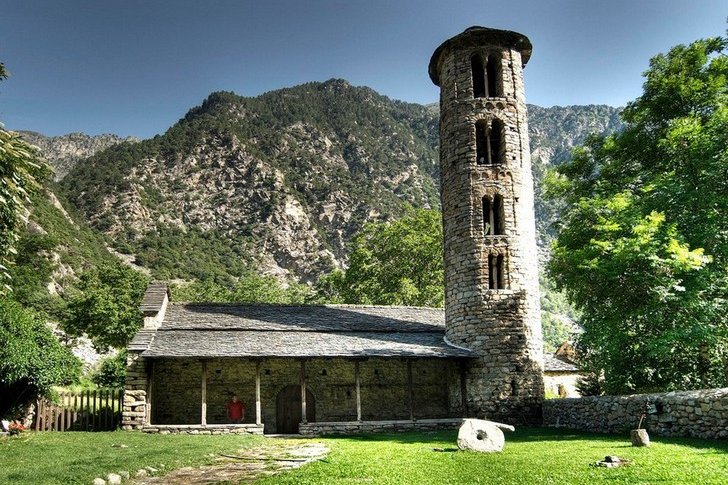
(236, 410)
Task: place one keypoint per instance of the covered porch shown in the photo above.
(306, 396)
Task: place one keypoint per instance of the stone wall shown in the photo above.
(134, 408)
(355, 427)
(177, 392)
(176, 389)
(702, 414)
(502, 325)
(210, 429)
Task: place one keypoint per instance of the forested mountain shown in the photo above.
(280, 182)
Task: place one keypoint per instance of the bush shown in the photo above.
(111, 371)
(32, 360)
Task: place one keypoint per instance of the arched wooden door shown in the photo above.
(288, 409)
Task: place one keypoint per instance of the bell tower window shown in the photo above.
(493, 216)
(481, 143)
(478, 73)
(495, 141)
(496, 274)
(492, 70)
(489, 142)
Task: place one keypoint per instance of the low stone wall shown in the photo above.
(357, 427)
(208, 430)
(701, 414)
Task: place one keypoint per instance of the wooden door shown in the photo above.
(288, 409)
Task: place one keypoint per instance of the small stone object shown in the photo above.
(120, 446)
(5, 425)
(113, 479)
(481, 435)
(611, 461)
(99, 481)
(124, 475)
(141, 473)
(152, 470)
(640, 437)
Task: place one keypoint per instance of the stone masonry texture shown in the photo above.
(700, 414)
(176, 389)
(503, 326)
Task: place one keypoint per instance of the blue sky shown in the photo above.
(134, 67)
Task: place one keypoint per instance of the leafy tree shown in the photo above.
(111, 371)
(20, 170)
(105, 305)
(31, 358)
(643, 244)
(393, 263)
(250, 288)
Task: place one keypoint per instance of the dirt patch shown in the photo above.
(246, 465)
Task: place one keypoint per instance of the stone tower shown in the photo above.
(491, 264)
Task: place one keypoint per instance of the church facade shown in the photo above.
(341, 368)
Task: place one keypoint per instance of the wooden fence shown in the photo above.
(97, 410)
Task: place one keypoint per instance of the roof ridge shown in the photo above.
(301, 305)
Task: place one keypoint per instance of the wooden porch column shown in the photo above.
(463, 390)
(358, 390)
(410, 390)
(150, 380)
(204, 393)
(303, 391)
(258, 417)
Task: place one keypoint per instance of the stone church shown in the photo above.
(347, 368)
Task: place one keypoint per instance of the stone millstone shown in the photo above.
(481, 435)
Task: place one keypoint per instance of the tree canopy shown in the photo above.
(20, 170)
(642, 248)
(249, 288)
(104, 304)
(32, 360)
(393, 263)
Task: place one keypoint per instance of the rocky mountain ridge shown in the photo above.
(65, 151)
(281, 182)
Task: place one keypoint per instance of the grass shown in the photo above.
(532, 456)
(79, 457)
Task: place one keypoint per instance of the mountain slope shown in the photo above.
(66, 150)
(292, 174)
(281, 182)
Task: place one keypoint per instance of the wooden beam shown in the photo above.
(204, 393)
(150, 377)
(410, 390)
(358, 390)
(303, 391)
(258, 417)
(463, 390)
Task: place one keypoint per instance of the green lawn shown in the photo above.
(532, 456)
(79, 457)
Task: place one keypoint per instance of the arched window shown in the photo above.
(481, 143)
(478, 72)
(496, 274)
(493, 216)
(492, 69)
(487, 216)
(497, 210)
(495, 142)
(489, 146)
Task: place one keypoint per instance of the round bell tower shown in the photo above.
(491, 263)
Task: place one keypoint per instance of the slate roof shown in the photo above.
(552, 363)
(153, 297)
(224, 330)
